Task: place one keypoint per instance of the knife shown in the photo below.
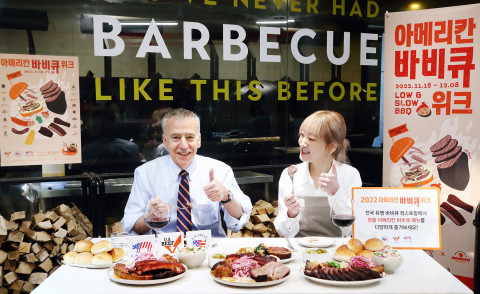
(289, 244)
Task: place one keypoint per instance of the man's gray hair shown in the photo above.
(180, 113)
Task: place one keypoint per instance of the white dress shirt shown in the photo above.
(160, 177)
(305, 190)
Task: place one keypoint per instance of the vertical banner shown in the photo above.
(432, 113)
(40, 111)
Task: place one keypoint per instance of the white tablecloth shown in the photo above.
(419, 273)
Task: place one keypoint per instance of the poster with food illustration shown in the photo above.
(432, 117)
(40, 116)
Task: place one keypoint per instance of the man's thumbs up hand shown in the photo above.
(214, 190)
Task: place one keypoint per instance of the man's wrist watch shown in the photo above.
(230, 196)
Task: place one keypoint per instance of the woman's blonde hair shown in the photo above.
(331, 127)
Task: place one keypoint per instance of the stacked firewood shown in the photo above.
(31, 249)
(261, 221)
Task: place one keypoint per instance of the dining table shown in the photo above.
(418, 274)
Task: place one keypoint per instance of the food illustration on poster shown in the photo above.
(38, 117)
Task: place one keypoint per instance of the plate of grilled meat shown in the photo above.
(331, 273)
(249, 270)
(147, 272)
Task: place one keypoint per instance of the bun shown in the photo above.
(366, 253)
(102, 246)
(400, 147)
(83, 246)
(117, 254)
(69, 257)
(102, 258)
(83, 258)
(344, 254)
(374, 244)
(355, 245)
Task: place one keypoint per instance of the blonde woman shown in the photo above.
(323, 180)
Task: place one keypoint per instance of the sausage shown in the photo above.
(19, 132)
(21, 122)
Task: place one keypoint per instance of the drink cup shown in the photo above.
(119, 239)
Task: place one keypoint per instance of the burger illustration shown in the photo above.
(417, 173)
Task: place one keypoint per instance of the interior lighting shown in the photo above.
(415, 6)
(161, 23)
(279, 21)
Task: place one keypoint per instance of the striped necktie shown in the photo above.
(184, 214)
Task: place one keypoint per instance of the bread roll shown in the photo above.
(102, 258)
(365, 252)
(83, 246)
(344, 254)
(355, 245)
(102, 246)
(69, 257)
(83, 258)
(117, 254)
(374, 244)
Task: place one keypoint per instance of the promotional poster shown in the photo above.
(430, 135)
(40, 112)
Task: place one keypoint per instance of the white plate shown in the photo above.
(316, 241)
(112, 277)
(91, 265)
(286, 260)
(249, 285)
(344, 283)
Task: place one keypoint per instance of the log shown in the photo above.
(64, 248)
(42, 255)
(265, 235)
(25, 268)
(83, 221)
(25, 228)
(12, 226)
(16, 285)
(39, 217)
(45, 225)
(28, 287)
(261, 218)
(18, 216)
(37, 278)
(49, 245)
(61, 233)
(59, 223)
(15, 236)
(3, 290)
(30, 258)
(3, 226)
(46, 265)
(3, 256)
(36, 247)
(13, 255)
(249, 226)
(9, 265)
(260, 228)
(51, 216)
(42, 236)
(1, 275)
(24, 247)
(72, 228)
(248, 234)
(58, 241)
(10, 277)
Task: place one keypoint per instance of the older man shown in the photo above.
(196, 187)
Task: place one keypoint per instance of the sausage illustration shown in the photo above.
(21, 122)
(20, 132)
